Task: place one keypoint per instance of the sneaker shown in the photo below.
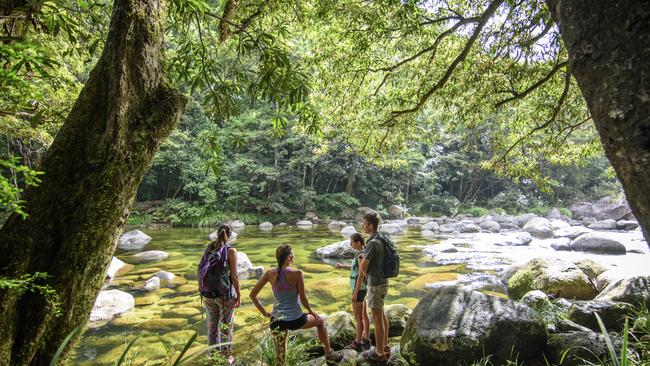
(357, 346)
(334, 356)
(372, 356)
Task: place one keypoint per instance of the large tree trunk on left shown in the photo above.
(92, 171)
(609, 54)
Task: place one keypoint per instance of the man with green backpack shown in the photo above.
(380, 262)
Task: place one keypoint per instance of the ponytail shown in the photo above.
(281, 254)
(223, 233)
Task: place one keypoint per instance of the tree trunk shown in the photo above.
(92, 171)
(609, 55)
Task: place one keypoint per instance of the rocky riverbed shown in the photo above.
(151, 285)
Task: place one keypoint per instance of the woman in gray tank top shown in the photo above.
(289, 291)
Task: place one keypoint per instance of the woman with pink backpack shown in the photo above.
(219, 287)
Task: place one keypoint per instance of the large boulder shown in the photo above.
(236, 224)
(607, 224)
(311, 216)
(149, 256)
(581, 210)
(133, 240)
(627, 224)
(266, 225)
(392, 229)
(558, 224)
(396, 211)
(431, 225)
(115, 267)
(561, 244)
(304, 223)
(337, 224)
(634, 290)
(552, 276)
(452, 326)
(612, 211)
(579, 348)
(490, 225)
(539, 227)
(245, 268)
(341, 249)
(616, 274)
(398, 315)
(522, 220)
(590, 268)
(554, 214)
(571, 232)
(468, 227)
(348, 230)
(599, 243)
(508, 239)
(427, 234)
(340, 329)
(110, 304)
(612, 313)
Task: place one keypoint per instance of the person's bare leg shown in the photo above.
(320, 329)
(357, 307)
(280, 338)
(378, 318)
(366, 322)
(385, 327)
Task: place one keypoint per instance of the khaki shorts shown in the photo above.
(376, 296)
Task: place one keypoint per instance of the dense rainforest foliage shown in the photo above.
(238, 154)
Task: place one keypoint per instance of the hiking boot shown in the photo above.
(372, 356)
(357, 346)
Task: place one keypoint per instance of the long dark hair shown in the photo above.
(281, 255)
(223, 233)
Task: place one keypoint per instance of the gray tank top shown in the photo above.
(287, 303)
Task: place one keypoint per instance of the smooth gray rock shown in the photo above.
(114, 267)
(571, 232)
(149, 256)
(342, 249)
(304, 223)
(391, 229)
(608, 224)
(398, 316)
(237, 224)
(522, 220)
(152, 284)
(396, 211)
(612, 313)
(627, 224)
(452, 326)
(431, 225)
(576, 348)
(110, 304)
(539, 227)
(634, 290)
(598, 243)
(490, 225)
(132, 240)
(561, 244)
(266, 225)
(348, 230)
(552, 276)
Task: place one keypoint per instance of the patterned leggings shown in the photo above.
(221, 313)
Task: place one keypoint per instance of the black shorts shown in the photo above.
(288, 324)
(361, 295)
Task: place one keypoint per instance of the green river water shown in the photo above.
(165, 319)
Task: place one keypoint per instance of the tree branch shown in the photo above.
(556, 111)
(228, 13)
(489, 12)
(531, 88)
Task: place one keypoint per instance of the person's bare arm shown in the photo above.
(363, 272)
(256, 290)
(234, 277)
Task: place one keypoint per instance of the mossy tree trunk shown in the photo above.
(609, 54)
(92, 171)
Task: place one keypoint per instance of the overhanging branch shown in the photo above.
(489, 12)
(536, 85)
